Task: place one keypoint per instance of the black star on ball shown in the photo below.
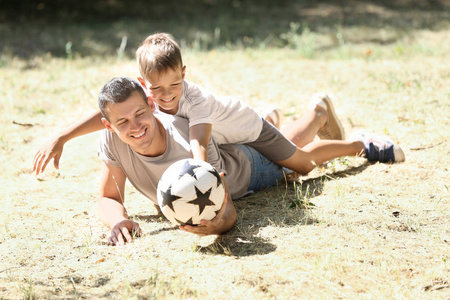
(187, 168)
(188, 222)
(202, 199)
(168, 198)
(217, 175)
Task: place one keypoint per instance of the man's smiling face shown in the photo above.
(133, 121)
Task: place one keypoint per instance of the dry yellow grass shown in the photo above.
(377, 231)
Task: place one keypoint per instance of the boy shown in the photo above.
(227, 119)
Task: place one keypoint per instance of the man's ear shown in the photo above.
(183, 71)
(107, 124)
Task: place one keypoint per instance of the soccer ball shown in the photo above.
(190, 190)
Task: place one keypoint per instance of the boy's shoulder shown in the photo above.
(193, 91)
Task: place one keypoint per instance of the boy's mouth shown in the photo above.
(167, 101)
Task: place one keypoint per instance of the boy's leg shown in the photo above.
(320, 119)
(370, 146)
(306, 159)
(303, 131)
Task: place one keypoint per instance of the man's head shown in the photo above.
(129, 114)
(118, 90)
(162, 71)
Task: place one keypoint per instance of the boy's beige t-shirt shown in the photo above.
(144, 172)
(233, 121)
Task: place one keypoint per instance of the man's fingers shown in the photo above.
(35, 159)
(119, 237)
(56, 161)
(127, 235)
(37, 163)
(44, 164)
(199, 230)
(137, 230)
(112, 240)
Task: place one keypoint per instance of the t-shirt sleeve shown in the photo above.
(201, 111)
(104, 153)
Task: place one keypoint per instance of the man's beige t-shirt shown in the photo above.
(144, 172)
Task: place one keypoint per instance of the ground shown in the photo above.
(349, 229)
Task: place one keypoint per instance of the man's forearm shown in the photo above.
(111, 211)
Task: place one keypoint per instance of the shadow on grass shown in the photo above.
(85, 28)
(287, 205)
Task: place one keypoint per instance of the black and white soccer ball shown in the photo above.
(190, 190)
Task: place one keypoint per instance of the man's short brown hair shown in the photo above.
(158, 53)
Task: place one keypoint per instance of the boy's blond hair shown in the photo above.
(158, 53)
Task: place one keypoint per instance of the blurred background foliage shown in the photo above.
(67, 28)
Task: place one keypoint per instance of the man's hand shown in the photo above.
(222, 222)
(216, 226)
(51, 149)
(123, 232)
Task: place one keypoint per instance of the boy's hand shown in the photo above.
(122, 231)
(51, 149)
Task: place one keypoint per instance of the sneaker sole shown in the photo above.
(334, 124)
(399, 155)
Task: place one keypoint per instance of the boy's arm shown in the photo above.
(222, 222)
(53, 147)
(199, 136)
(110, 206)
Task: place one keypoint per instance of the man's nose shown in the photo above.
(135, 125)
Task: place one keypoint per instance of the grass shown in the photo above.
(373, 231)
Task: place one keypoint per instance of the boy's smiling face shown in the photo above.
(166, 89)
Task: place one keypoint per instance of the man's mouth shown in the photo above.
(140, 134)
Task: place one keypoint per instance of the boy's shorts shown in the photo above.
(265, 173)
(273, 144)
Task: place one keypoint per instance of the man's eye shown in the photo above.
(154, 88)
(139, 114)
(121, 123)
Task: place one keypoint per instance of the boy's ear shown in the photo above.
(183, 71)
(107, 124)
(142, 82)
(151, 104)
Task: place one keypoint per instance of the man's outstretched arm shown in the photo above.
(53, 147)
(111, 206)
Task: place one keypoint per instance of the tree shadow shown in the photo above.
(31, 29)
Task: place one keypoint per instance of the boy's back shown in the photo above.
(232, 120)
